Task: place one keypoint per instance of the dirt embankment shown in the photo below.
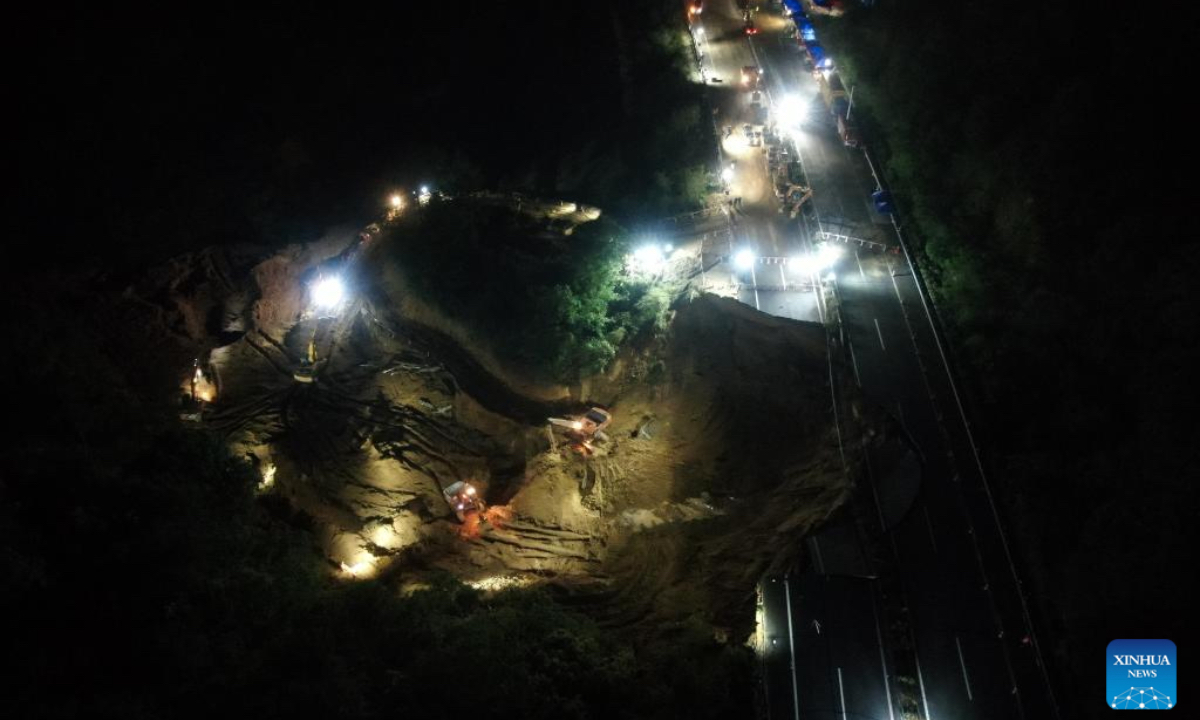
(714, 467)
(455, 337)
(211, 296)
(742, 462)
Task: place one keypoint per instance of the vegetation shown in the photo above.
(555, 304)
(168, 591)
(142, 577)
(658, 160)
(636, 145)
(180, 149)
(1029, 177)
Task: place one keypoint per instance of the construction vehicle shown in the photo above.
(816, 56)
(752, 77)
(464, 500)
(310, 363)
(847, 131)
(795, 198)
(203, 389)
(805, 32)
(200, 391)
(831, 87)
(791, 188)
(584, 430)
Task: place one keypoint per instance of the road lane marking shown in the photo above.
(787, 594)
(861, 274)
(841, 692)
(966, 426)
(929, 524)
(921, 683)
(961, 662)
(765, 643)
(817, 554)
(754, 282)
(899, 299)
(782, 277)
(854, 362)
(880, 335)
(874, 493)
(887, 687)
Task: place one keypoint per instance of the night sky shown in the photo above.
(177, 129)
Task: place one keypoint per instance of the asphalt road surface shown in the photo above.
(971, 646)
(831, 644)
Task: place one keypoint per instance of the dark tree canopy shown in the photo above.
(1034, 172)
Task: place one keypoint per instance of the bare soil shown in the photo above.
(715, 467)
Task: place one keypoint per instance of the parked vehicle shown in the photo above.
(831, 88)
(847, 131)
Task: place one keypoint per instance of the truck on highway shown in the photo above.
(831, 87)
(805, 32)
(816, 56)
(847, 131)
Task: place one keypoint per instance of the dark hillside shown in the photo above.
(1047, 196)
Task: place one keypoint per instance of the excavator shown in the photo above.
(310, 363)
(582, 431)
(464, 500)
(201, 390)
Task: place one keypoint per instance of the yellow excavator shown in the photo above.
(582, 431)
(309, 364)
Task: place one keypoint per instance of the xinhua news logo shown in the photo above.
(1141, 675)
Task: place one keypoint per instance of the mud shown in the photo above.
(714, 469)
